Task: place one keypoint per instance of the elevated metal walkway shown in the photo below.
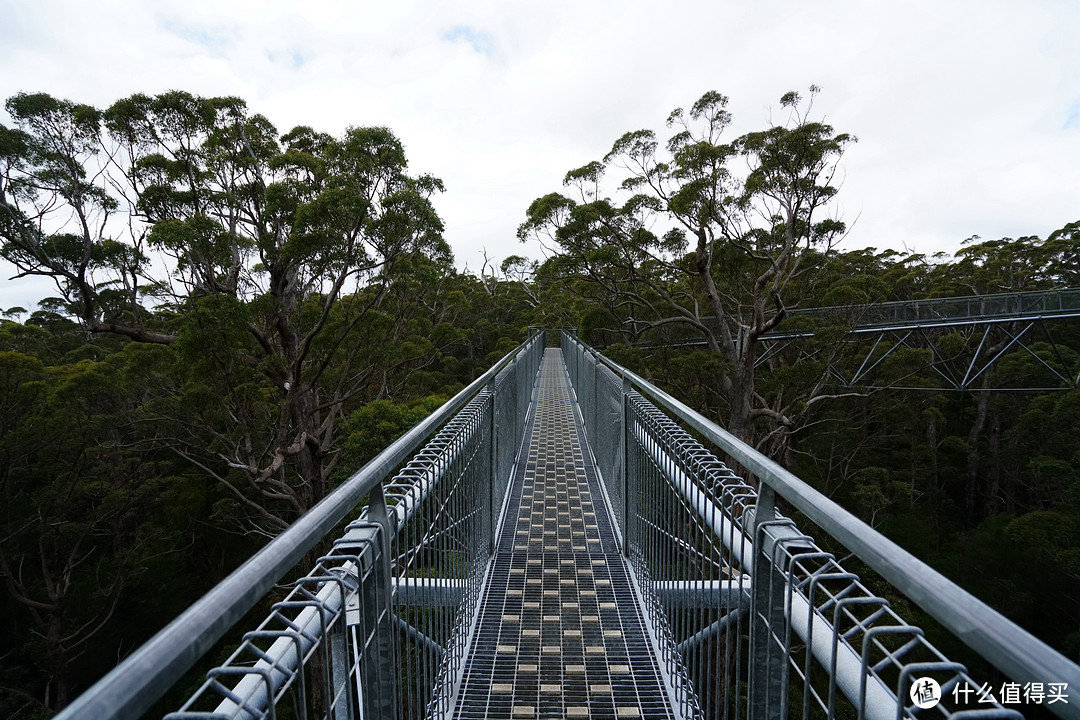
(992, 309)
(560, 631)
(965, 336)
(989, 326)
(560, 550)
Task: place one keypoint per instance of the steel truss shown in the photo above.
(967, 338)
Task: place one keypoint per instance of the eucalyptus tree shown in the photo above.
(742, 223)
(264, 266)
(83, 519)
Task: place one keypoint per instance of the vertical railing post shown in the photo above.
(579, 373)
(768, 617)
(586, 392)
(595, 376)
(582, 372)
(579, 362)
(379, 665)
(493, 474)
(521, 369)
(624, 463)
(341, 690)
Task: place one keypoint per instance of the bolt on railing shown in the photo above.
(379, 626)
(755, 619)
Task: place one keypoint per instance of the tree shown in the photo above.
(745, 221)
(82, 515)
(285, 254)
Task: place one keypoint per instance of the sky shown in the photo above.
(967, 112)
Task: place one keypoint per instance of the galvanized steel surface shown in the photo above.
(560, 632)
(811, 626)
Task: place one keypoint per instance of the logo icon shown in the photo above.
(925, 693)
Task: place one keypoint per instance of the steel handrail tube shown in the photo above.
(278, 663)
(1003, 643)
(1054, 304)
(134, 685)
(808, 624)
(1050, 301)
(286, 654)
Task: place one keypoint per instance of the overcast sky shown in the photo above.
(967, 113)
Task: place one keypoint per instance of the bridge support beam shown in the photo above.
(703, 637)
(703, 594)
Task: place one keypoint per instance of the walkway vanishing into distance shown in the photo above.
(554, 543)
(560, 631)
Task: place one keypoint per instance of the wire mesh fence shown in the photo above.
(752, 618)
(755, 618)
(378, 627)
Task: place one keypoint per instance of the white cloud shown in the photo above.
(967, 112)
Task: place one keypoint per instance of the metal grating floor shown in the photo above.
(560, 633)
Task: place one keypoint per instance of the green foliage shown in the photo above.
(308, 277)
(373, 427)
(745, 225)
(312, 315)
(83, 511)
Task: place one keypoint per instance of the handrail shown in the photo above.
(1050, 302)
(940, 312)
(1003, 643)
(936, 312)
(134, 685)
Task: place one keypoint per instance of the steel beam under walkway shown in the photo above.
(560, 631)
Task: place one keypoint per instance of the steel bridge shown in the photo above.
(964, 336)
(562, 540)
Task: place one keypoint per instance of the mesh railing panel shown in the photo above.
(380, 626)
(754, 616)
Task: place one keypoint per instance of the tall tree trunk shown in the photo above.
(58, 662)
(742, 393)
(741, 399)
(994, 487)
(932, 443)
(971, 487)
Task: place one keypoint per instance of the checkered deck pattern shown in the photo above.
(560, 631)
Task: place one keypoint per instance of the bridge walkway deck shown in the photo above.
(560, 632)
